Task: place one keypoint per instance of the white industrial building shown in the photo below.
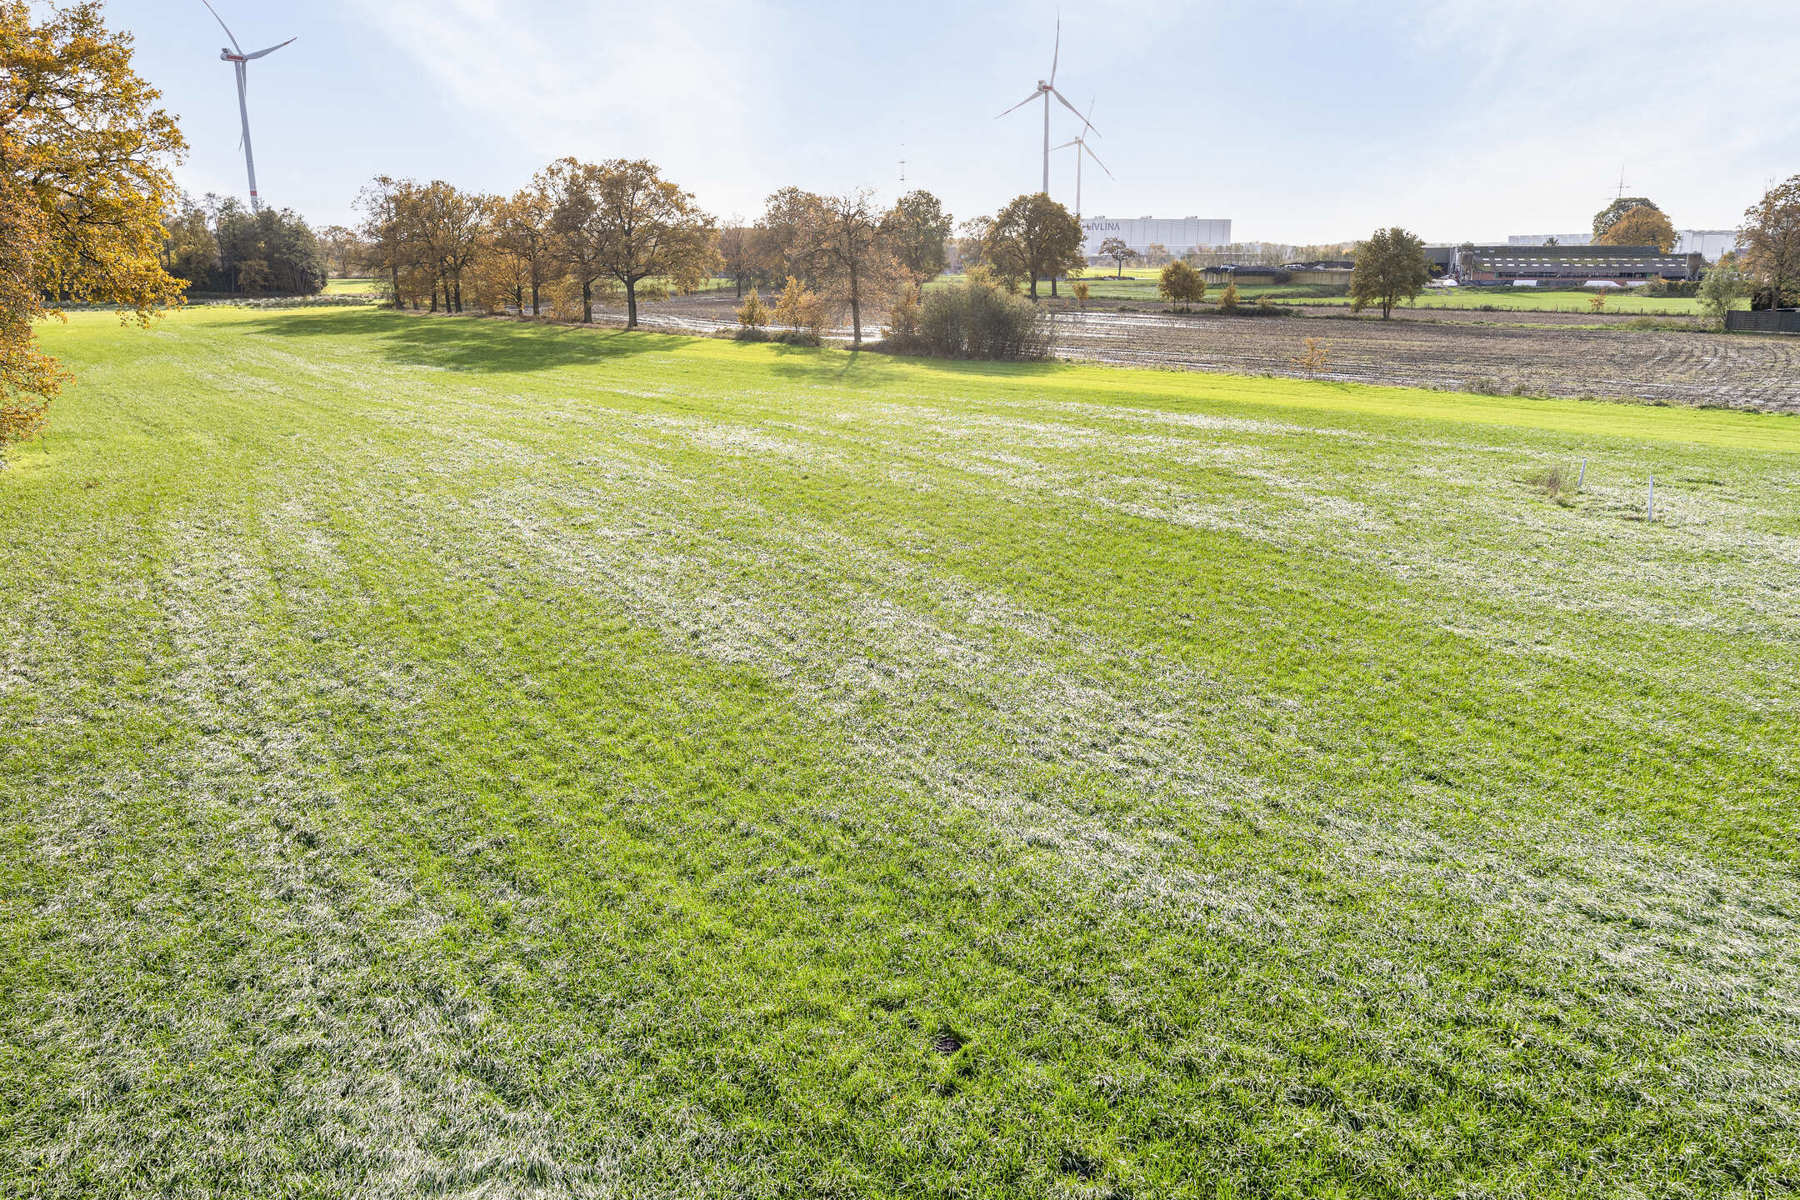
(1709, 244)
(1179, 234)
(1546, 239)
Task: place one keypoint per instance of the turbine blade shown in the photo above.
(1056, 55)
(1019, 105)
(271, 49)
(1067, 144)
(1096, 158)
(1065, 103)
(222, 25)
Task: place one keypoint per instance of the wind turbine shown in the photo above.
(1047, 89)
(237, 58)
(1079, 141)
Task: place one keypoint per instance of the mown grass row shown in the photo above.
(456, 756)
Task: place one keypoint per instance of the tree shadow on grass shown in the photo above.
(869, 368)
(499, 345)
(479, 344)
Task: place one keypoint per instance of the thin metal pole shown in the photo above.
(1046, 143)
(1582, 477)
(1650, 502)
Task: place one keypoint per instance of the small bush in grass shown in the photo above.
(1487, 385)
(1597, 302)
(1557, 483)
(753, 313)
(1228, 299)
(1081, 292)
(1314, 354)
(978, 319)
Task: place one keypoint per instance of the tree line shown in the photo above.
(220, 246)
(582, 232)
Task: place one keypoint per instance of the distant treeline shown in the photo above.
(221, 247)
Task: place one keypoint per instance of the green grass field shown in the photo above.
(460, 758)
(1140, 284)
(350, 287)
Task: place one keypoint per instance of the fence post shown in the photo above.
(1650, 502)
(1582, 477)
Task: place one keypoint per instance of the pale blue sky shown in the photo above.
(1300, 120)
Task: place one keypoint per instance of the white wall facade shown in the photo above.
(1179, 234)
(1543, 239)
(1708, 243)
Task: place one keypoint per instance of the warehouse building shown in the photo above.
(1710, 244)
(1179, 235)
(1560, 264)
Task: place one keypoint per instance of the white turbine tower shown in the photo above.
(1047, 89)
(237, 58)
(1079, 141)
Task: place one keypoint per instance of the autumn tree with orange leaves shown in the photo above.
(84, 181)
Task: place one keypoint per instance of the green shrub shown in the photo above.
(1659, 286)
(903, 314)
(1181, 284)
(753, 313)
(977, 319)
(801, 309)
(1557, 483)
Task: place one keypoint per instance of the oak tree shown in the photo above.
(847, 244)
(84, 183)
(780, 241)
(577, 229)
(1770, 241)
(623, 221)
(1721, 288)
(1181, 284)
(385, 204)
(1640, 226)
(520, 229)
(1116, 249)
(971, 242)
(737, 254)
(1034, 238)
(1390, 267)
(1607, 217)
(343, 249)
(917, 230)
